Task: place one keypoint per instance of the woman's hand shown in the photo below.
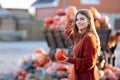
(71, 22)
(65, 59)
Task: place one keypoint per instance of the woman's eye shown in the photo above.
(81, 18)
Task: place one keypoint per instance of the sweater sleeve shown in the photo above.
(88, 61)
(68, 30)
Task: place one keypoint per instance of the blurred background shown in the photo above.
(23, 24)
(25, 18)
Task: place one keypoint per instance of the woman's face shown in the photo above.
(81, 22)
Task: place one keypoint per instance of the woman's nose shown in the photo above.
(79, 22)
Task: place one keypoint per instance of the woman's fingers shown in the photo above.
(64, 56)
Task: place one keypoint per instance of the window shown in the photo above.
(90, 2)
(117, 23)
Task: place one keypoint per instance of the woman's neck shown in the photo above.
(81, 31)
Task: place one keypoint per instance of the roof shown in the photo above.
(45, 3)
(5, 13)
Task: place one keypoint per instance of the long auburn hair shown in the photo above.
(90, 28)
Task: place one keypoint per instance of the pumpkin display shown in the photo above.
(48, 20)
(111, 76)
(106, 26)
(63, 20)
(35, 64)
(97, 23)
(104, 19)
(44, 59)
(100, 73)
(60, 12)
(21, 77)
(24, 73)
(71, 11)
(56, 18)
(57, 26)
(59, 54)
(52, 27)
(107, 71)
(45, 26)
(40, 51)
(95, 13)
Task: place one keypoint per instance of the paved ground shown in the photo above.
(11, 53)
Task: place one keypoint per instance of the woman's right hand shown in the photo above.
(70, 22)
(69, 29)
(65, 59)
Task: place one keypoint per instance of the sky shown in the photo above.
(18, 4)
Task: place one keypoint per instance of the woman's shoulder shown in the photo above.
(90, 39)
(89, 36)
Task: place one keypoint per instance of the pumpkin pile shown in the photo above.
(63, 15)
(39, 66)
(33, 66)
(60, 19)
(109, 73)
(101, 21)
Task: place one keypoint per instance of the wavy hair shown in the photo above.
(90, 28)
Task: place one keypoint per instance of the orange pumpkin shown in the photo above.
(63, 20)
(56, 19)
(100, 73)
(106, 26)
(60, 12)
(107, 70)
(111, 76)
(21, 77)
(71, 11)
(95, 13)
(59, 54)
(104, 19)
(48, 20)
(97, 23)
(43, 60)
(40, 51)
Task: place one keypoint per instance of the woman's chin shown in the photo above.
(82, 29)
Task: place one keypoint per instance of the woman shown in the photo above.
(83, 34)
(112, 44)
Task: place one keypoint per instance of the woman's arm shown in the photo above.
(69, 29)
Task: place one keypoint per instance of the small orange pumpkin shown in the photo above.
(71, 11)
(59, 54)
(48, 20)
(97, 23)
(95, 13)
(61, 12)
(40, 51)
(104, 19)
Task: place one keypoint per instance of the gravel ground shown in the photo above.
(11, 53)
